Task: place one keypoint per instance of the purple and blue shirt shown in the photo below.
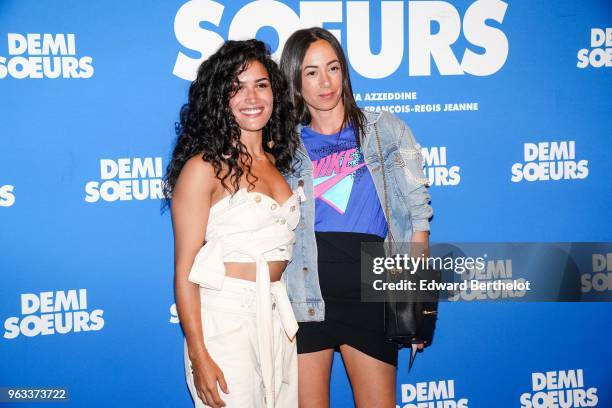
(345, 195)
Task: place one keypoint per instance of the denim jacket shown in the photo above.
(408, 202)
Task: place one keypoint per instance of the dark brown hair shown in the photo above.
(208, 128)
(291, 65)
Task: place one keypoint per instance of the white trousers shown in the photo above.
(230, 334)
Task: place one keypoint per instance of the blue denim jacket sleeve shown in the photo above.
(419, 198)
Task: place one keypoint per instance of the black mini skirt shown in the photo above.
(348, 320)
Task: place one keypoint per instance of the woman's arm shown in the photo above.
(418, 196)
(191, 200)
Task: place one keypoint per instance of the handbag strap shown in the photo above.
(390, 238)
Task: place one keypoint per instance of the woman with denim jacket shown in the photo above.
(339, 168)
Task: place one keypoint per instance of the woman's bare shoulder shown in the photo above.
(197, 175)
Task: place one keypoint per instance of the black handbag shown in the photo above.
(409, 316)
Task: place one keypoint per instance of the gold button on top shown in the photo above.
(302, 225)
(282, 221)
(273, 207)
(257, 198)
(311, 312)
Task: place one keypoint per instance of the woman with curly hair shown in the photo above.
(225, 185)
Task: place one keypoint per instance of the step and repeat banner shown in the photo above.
(510, 101)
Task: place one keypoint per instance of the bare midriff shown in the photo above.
(240, 270)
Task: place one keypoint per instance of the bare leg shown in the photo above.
(373, 381)
(313, 378)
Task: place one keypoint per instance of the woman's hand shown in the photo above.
(206, 375)
(420, 249)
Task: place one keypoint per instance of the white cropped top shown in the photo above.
(245, 227)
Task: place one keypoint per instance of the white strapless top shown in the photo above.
(246, 227)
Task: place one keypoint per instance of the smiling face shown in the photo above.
(321, 78)
(252, 103)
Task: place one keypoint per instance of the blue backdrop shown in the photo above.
(510, 101)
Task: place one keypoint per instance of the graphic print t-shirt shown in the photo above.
(345, 196)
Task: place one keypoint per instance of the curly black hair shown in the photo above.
(208, 128)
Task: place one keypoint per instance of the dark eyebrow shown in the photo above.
(256, 81)
(314, 66)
